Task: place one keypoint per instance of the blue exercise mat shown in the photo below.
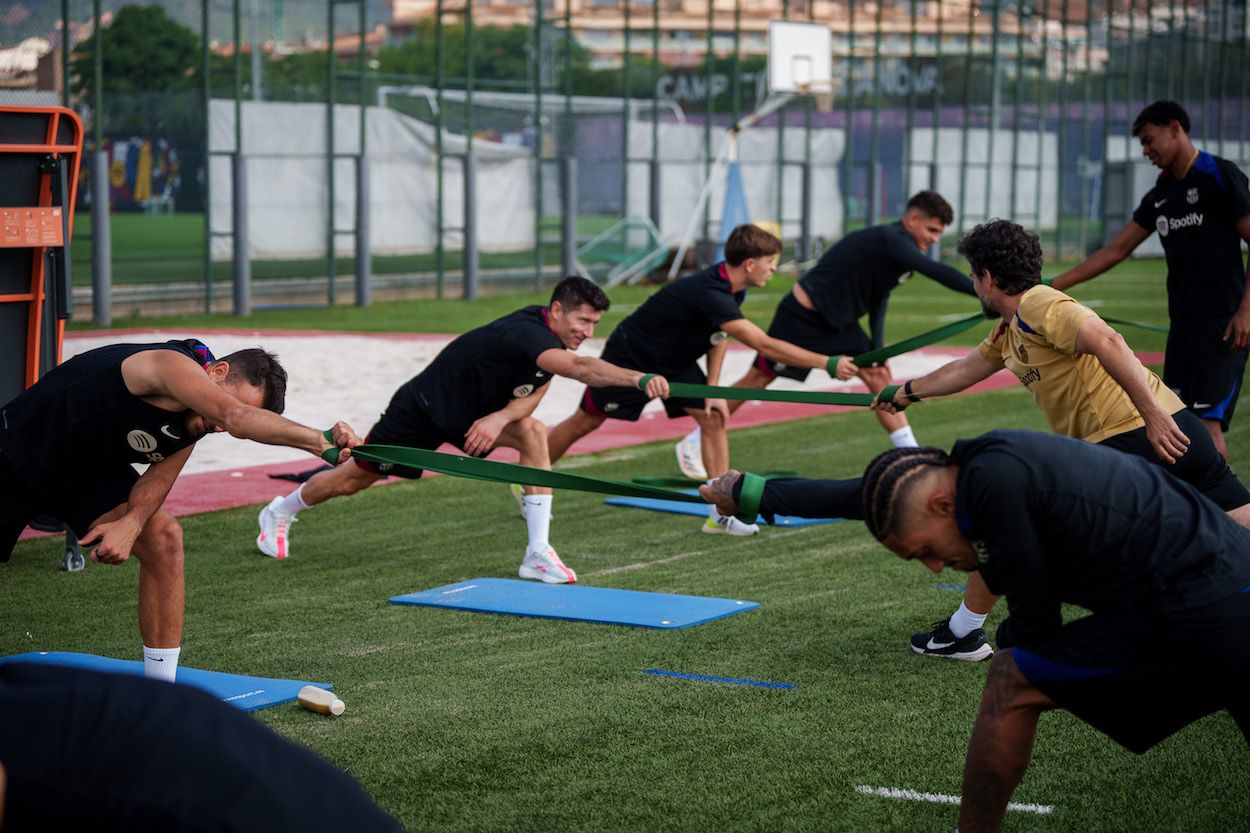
(678, 508)
(247, 693)
(579, 604)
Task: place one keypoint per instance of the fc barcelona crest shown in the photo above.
(1191, 196)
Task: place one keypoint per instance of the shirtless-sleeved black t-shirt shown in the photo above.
(856, 275)
(483, 370)
(679, 323)
(1195, 218)
(1056, 520)
(79, 417)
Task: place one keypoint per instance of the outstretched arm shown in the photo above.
(1098, 339)
(951, 377)
(176, 381)
(1120, 247)
(597, 373)
(774, 348)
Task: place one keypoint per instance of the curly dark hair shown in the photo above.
(932, 204)
(1012, 255)
(1161, 114)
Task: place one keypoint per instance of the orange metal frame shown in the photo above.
(29, 228)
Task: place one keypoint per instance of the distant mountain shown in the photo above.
(293, 19)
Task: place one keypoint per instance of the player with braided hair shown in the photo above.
(1048, 521)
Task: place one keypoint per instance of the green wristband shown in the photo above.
(645, 380)
(330, 455)
(749, 497)
(831, 366)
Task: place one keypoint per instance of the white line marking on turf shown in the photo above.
(940, 798)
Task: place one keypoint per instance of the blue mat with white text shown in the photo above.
(240, 690)
(577, 603)
(676, 507)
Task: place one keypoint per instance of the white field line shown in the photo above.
(940, 798)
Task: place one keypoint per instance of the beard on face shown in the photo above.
(990, 313)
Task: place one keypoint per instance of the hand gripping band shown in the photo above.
(646, 380)
(749, 497)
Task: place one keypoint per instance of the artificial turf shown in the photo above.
(479, 722)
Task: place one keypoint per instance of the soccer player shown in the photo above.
(821, 313)
(478, 394)
(1200, 206)
(684, 320)
(1085, 379)
(67, 444)
(1049, 521)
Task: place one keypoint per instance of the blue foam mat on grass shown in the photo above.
(604, 605)
(677, 507)
(240, 690)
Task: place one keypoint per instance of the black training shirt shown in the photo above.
(1194, 217)
(680, 322)
(1057, 520)
(483, 370)
(857, 274)
(79, 417)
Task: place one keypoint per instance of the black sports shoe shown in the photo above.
(940, 642)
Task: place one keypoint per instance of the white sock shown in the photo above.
(903, 438)
(160, 663)
(538, 520)
(964, 621)
(293, 503)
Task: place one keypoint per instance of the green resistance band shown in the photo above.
(923, 340)
(476, 468)
(687, 483)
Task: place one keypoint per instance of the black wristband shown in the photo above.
(911, 397)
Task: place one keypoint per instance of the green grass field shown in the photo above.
(484, 723)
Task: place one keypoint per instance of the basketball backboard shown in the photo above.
(800, 57)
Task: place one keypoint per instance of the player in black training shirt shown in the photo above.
(670, 331)
(853, 278)
(477, 395)
(1048, 521)
(1200, 206)
(68, 442)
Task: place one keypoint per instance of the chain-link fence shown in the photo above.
(486, 143)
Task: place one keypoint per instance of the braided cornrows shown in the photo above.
(886, 482)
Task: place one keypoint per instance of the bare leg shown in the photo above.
(755, 379)
(578, 425)
(162, 588)
(1001, 745)
(715, 446)
(1217, 436)
(978, 597)
(347, 479)
(1241, 515)
(528, 436)
(876, 378)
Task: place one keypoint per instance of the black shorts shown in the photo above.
(1205, 374)
(1201, 466)
(77, 504)
(1139, 677)
(406, 423)
(627, 403)
(810, 330)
